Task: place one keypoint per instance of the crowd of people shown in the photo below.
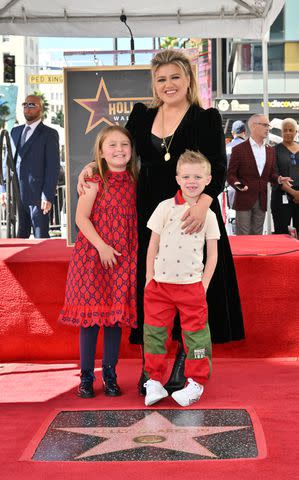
(252, 164)
(152, 251)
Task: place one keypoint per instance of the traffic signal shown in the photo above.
(9, 68)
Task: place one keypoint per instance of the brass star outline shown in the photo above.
(84, 102)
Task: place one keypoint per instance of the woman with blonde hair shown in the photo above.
(175, 122)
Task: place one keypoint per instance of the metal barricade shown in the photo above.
(9, 213)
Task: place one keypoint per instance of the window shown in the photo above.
(277, 29)
(275, 57)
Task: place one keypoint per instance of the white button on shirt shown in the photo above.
(259, 152)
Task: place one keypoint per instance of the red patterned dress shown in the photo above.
(95, 295)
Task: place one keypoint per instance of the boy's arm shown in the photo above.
(211, 262)
(152, 251)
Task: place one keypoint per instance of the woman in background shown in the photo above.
(285, 199)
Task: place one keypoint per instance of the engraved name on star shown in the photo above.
(153, 430)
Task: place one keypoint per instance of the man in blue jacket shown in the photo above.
(35, 148)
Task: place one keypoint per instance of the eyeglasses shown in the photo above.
(30, 105)
(266, 125)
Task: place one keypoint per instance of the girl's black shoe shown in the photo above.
(85, 389)
(111, 389)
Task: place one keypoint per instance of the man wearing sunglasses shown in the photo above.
(36, 155)
(251, 167)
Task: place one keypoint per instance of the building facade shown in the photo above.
(243, 78)
(26, 53)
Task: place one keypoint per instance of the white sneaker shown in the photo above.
(154, 392)
(189, 394)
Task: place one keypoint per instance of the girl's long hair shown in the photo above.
(175, 57)
(101, 163)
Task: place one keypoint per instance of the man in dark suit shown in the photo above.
(251, 167)
(36, 154)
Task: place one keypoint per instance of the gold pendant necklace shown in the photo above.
(167, 155)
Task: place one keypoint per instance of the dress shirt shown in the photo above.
(259, 152)
(32, 128)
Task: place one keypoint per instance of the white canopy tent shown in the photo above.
(238, 19)
(93, 18)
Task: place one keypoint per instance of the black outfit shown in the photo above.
(200, 130)
(287, 165)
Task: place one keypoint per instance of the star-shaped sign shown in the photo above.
(99, 106)
(153, 430)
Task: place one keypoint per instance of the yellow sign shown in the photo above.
(34, 79)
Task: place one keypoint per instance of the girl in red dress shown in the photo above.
(101, 281)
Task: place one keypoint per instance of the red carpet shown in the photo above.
(32, 282)
(30, 395)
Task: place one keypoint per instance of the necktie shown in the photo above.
(24, 135)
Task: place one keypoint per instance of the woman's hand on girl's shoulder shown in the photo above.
(87, 172)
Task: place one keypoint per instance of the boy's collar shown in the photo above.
(178, 199)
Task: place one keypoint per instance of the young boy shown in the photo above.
(177, 281)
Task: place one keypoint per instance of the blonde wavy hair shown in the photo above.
(175, 57)
(101, 164)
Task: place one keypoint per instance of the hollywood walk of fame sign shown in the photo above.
(94, 98)
(142, 435)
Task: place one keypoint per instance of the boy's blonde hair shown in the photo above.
(194, 158)
(101, 163)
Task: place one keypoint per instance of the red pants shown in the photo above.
(161, 303)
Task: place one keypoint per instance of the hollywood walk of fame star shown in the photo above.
(99, 106)
(153, 430)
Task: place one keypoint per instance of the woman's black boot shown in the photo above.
(177, 378)
(111, 389)
(143, 378)
(85, 389)
(141, 382)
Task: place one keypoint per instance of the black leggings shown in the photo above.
(88, 344)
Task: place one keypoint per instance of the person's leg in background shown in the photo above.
(112, 339)
(295, 216)
(40, 222)
(24, 222)
(281, 214)
(257, 219)
(243, 222)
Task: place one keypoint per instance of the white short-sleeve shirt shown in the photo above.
(180, 255)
